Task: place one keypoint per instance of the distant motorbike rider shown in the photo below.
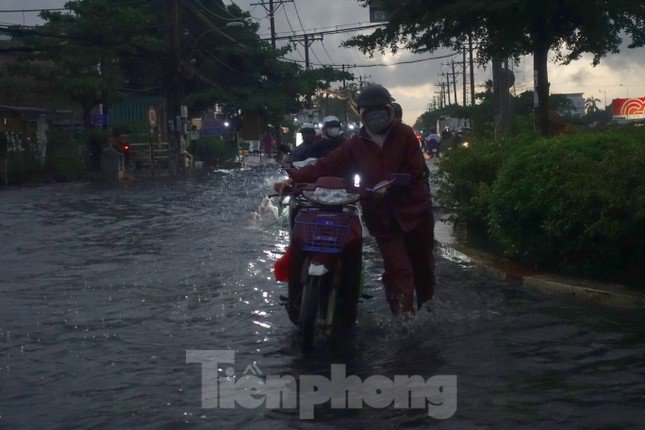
(432, 140)
(398, 112)
(332, 138)
(399, 217)
(398, 117)
(302, 151)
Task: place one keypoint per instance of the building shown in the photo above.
(578, 102)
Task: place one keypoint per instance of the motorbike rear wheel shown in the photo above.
(309, 310)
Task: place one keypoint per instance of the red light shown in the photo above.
(126, 147)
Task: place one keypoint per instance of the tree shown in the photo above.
(561, 104)
(98, 51)
(78, 53)
(591, 104)
(511, 28)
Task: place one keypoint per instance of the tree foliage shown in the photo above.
(591, 104)
(78, 52)
(98, 51)
(511, 28)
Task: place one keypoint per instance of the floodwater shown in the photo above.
(104, 289)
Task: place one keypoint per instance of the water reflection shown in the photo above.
(105, 288)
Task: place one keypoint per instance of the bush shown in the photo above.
(575, 203)
(21, 167)
(65, 169)
(61, 143)
(466, 175)
(212, 150)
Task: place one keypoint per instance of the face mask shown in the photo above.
(333, 131)
(377, 121)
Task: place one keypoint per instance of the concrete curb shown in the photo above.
(607, 294)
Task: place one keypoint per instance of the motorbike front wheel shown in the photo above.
(309, 310)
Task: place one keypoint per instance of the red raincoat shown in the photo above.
(402, 220)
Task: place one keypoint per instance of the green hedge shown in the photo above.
(65, 169)
(575, 203)
(212, 150)
(466, 175)
(21, 167)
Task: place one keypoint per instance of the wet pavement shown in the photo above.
(103, 289)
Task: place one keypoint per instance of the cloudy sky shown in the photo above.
(413, 85)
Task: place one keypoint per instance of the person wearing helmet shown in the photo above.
(398, 112)
(398, 216)
(301, 152)
(398, 116)
(332, 138)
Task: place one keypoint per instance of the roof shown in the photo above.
(34, 109)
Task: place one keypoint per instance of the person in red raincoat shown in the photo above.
(399, 217)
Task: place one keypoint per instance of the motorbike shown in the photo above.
(323, 264)
(324, 258)
(129, 163)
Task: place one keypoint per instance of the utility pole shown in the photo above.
(442, 95)
(306, 40)
(272, 21)
(174, 96)
(271, 9)
(346, 98)
(463, 65)
(363, 79)
(454, 80)
(447, 75)
(472, 70)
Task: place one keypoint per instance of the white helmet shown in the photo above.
(307, 126)
(329, 120)
(331, 126)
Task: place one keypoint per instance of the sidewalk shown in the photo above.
(599, 292)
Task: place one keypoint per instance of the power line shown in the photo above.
(223, 18)
(295, 45)
(240, 18)
(209, 22)
(357, 66)
(31, 10)
(327, 52)
(298, 15)
(337, 27)
(303, 29)
(340, 30)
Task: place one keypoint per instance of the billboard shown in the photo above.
(628, 108)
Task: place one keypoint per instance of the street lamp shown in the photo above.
(231, 24)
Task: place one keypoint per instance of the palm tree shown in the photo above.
(590, 104)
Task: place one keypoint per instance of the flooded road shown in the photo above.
(103, 289)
